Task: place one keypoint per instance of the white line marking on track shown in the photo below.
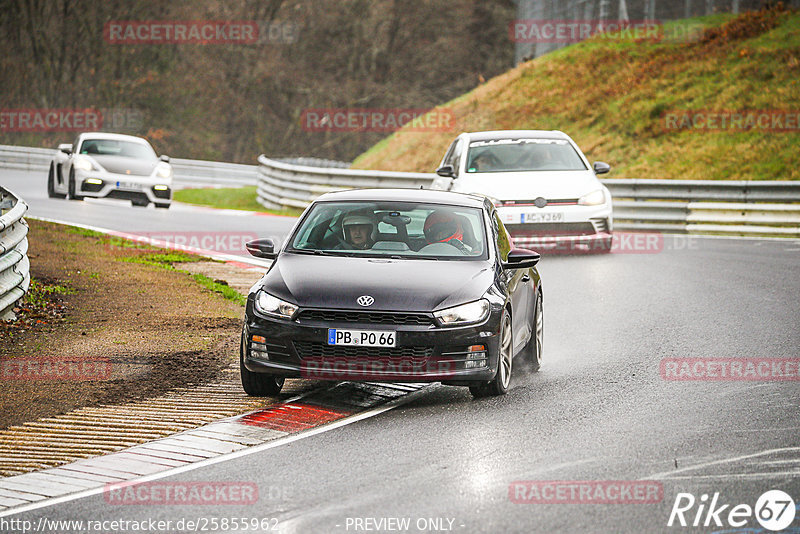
(670, 474)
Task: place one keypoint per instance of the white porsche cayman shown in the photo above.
(105, 165)
(545, 190)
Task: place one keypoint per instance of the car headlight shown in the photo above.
(83, 164)
(273, 306)
(595, 198)
(472, 312)
(164, 170)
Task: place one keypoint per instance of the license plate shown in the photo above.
(128, 185)
(361, 338)
(542, 217)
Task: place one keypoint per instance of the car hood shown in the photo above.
(396, 285)
(132, 166)
(529, 185)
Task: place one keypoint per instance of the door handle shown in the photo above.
(526, 278)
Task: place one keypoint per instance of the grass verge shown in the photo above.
(230, 198)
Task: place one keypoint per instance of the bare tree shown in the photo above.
(623, 10)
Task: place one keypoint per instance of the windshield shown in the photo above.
(509, 155)
(113, 147)
(392, 229)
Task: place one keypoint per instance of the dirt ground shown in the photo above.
(130, 330)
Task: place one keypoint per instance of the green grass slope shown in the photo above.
(612, 96)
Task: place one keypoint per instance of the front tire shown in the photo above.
(257, 384)
(502, 380)
(162, 206)
(71, 187)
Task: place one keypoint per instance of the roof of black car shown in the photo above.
(404, 195)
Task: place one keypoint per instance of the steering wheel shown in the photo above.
(457, 243)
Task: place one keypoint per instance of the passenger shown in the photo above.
(444, 227)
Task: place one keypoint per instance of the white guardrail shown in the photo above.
(767, 208)
(15, 277)
(188, 172)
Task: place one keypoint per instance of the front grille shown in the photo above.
(550, 229)
(331, 316)
(128, 195)
(309, 349)
(550, 201)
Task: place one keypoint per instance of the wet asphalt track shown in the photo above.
(598, 410)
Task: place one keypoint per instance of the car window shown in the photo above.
(388, 228)
(113, 147)
(455, 156)
(514, 155)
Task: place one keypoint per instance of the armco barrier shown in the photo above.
(188, 172)
(768, 208)
(282, 185)
(15, 277)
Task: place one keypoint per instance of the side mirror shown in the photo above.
(262, 248)
(66, 148)
(520, 258)
(446, 171)
(601, 167)
(164, 158)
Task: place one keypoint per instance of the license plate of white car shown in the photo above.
(361, 338)
(128, 185)
(543, 217)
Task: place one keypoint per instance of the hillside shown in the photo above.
(617, 97)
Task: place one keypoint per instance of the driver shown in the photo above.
(360, 230)
(444, 227)
(483, 162)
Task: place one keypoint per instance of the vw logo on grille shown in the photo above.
(365, 300)
(540, 202)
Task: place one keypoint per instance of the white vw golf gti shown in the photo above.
(546, 192)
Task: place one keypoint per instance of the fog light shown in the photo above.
(476, 357)
(160, 187)
(94, 181)
(258, 348)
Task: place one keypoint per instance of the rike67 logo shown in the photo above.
(774, 510)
